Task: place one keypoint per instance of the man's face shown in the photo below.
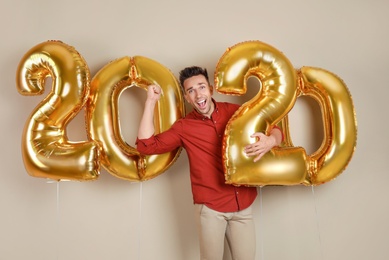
(198, 93)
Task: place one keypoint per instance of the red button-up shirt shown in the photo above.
(202, 138)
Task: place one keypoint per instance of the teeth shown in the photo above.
(201, 103)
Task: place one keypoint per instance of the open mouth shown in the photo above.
(202, 103)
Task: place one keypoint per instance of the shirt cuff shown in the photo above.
(145, 142)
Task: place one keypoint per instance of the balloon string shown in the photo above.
(260, 222)
(317, 222)
(140, 220)
(58, 224)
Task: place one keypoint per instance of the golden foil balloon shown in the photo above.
(46, 150)
(275, 99)
(339, 120)
(280, 86)
(119, 158)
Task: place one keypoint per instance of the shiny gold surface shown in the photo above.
(119, 158)
(280, 86)
(46, 150)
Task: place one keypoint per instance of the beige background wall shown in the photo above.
(114, 219)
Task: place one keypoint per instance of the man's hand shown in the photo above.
(146, 125)
(263, 144)
(153, 93)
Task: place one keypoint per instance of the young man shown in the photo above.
(222, 210)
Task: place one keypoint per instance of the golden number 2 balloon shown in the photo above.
(280, 86)
(120, 159)
(46, 150)
(276, 98)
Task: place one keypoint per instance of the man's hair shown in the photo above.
(190, 72)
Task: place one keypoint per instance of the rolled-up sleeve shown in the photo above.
(161, 143)
(146, 146)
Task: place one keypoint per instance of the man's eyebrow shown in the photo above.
(198, 84)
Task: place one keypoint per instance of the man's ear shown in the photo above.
(211, 89)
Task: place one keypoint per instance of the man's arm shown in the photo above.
(146, 126)
(264, 144)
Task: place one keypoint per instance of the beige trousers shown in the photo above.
(237, 227)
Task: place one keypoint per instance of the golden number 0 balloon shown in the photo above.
(120, 159)
(285, 165)
(339, 120)
(47, 152)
